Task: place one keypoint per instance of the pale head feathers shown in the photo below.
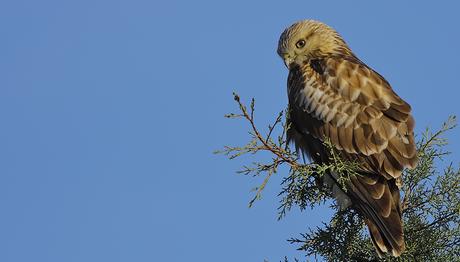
(310, 39)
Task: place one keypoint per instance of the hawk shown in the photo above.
(334, 96)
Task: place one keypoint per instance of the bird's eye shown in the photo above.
(300, 43)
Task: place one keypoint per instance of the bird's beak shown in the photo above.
(287, 60)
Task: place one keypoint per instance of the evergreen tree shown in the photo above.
(430, 196)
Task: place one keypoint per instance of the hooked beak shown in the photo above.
(287, 60)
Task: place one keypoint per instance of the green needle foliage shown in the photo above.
(431, 196)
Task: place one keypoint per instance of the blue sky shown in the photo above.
(110, 112)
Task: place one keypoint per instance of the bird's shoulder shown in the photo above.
(346, 86)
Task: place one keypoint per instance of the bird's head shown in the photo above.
(309, 39)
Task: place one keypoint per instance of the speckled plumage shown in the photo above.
(334, 95)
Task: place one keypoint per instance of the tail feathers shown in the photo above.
(379, 202)
(383, 242)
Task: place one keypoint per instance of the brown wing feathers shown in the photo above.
(378, 200)
(340, 98)
(381, 124)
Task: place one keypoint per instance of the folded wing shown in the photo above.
(343, 100)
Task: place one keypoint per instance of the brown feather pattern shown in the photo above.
(335, 96)
(368, 118)
(356, 109)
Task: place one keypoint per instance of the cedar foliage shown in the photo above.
(430, 196)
